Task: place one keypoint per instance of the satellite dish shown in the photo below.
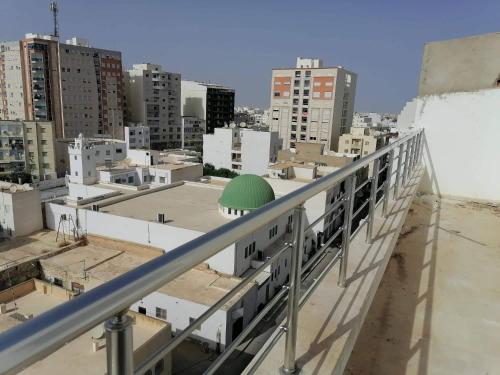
(243, 124)
(232, 125)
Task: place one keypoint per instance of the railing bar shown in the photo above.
(35, 339)
(335, 217)
(318, 280)
(161, 352)
(380, 187)
(383, 169)
(263, 351)
(230, 348)
(336, 205)
(321, 250)
(360, 208)
(368, 180)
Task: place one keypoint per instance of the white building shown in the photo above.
(137, 136)
(20, 210)
(169, 216)
(192, 133)
(241, 150)
(154, 99)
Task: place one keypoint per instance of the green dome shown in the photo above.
(247, 192)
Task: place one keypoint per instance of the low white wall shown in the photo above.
(461, 153)
(179, 311)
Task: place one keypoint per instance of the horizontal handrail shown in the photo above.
(34, 339)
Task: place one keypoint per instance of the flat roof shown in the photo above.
(77, 356)
(287, 164)
(106, 259)
(190, 205)
(31, 247)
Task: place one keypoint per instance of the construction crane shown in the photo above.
(55, 10)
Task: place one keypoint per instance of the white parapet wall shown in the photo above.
(462, 150)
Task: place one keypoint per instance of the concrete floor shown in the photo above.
(437, 310)
(330, 321)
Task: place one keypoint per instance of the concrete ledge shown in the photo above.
(330, 321)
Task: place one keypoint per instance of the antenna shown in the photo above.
(55, 10)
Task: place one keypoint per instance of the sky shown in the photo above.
(237, 43)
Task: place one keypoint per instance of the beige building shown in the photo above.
(363, 141)
(20, 210)
(29, 146)
(76, 86)
(312, 103)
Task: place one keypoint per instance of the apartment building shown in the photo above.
(76, 86)
(312, 103)
(153, 98)
(242, 150)
(209, 102)
(192, 133)
(28, 146)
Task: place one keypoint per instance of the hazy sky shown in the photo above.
(238, 42)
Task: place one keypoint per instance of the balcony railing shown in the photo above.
(35, 339)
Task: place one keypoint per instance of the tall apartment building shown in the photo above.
(29, 146)
(209, 102)
(76, 86)
(312, 103)
(153, 98)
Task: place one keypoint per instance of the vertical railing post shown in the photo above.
(119, 345)
(407, 158)
(398, 172)
(350, 195)
(410, 164)
(421, 146)
(373, 201)
(294, 293)
(387, 187)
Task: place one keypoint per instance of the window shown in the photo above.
(118, 150)
(159, 367)
(161, 313)
(308, 73)
(58, 281)
(162, 180)
(76, 173)
(297, 73)
(141, 310)
(108, 152)
(296, 83)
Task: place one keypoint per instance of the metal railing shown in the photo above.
(37, 338)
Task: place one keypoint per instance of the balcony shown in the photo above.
(316, 320)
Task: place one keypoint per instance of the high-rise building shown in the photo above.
(312, 103)
(153, 98)
(209, 102)
(76, 86)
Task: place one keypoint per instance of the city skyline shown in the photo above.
(382, 43)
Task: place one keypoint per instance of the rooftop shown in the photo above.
(191, 206)
(76, 357)
(104, 259)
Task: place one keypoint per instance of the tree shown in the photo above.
(210, 170)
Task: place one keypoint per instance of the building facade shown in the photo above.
(76, 86)
(312, 103)
(29, 146)
(209, 102)
(154, 99)
(192, 133)
(137, 136)
(20, 210)
(245, 151)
